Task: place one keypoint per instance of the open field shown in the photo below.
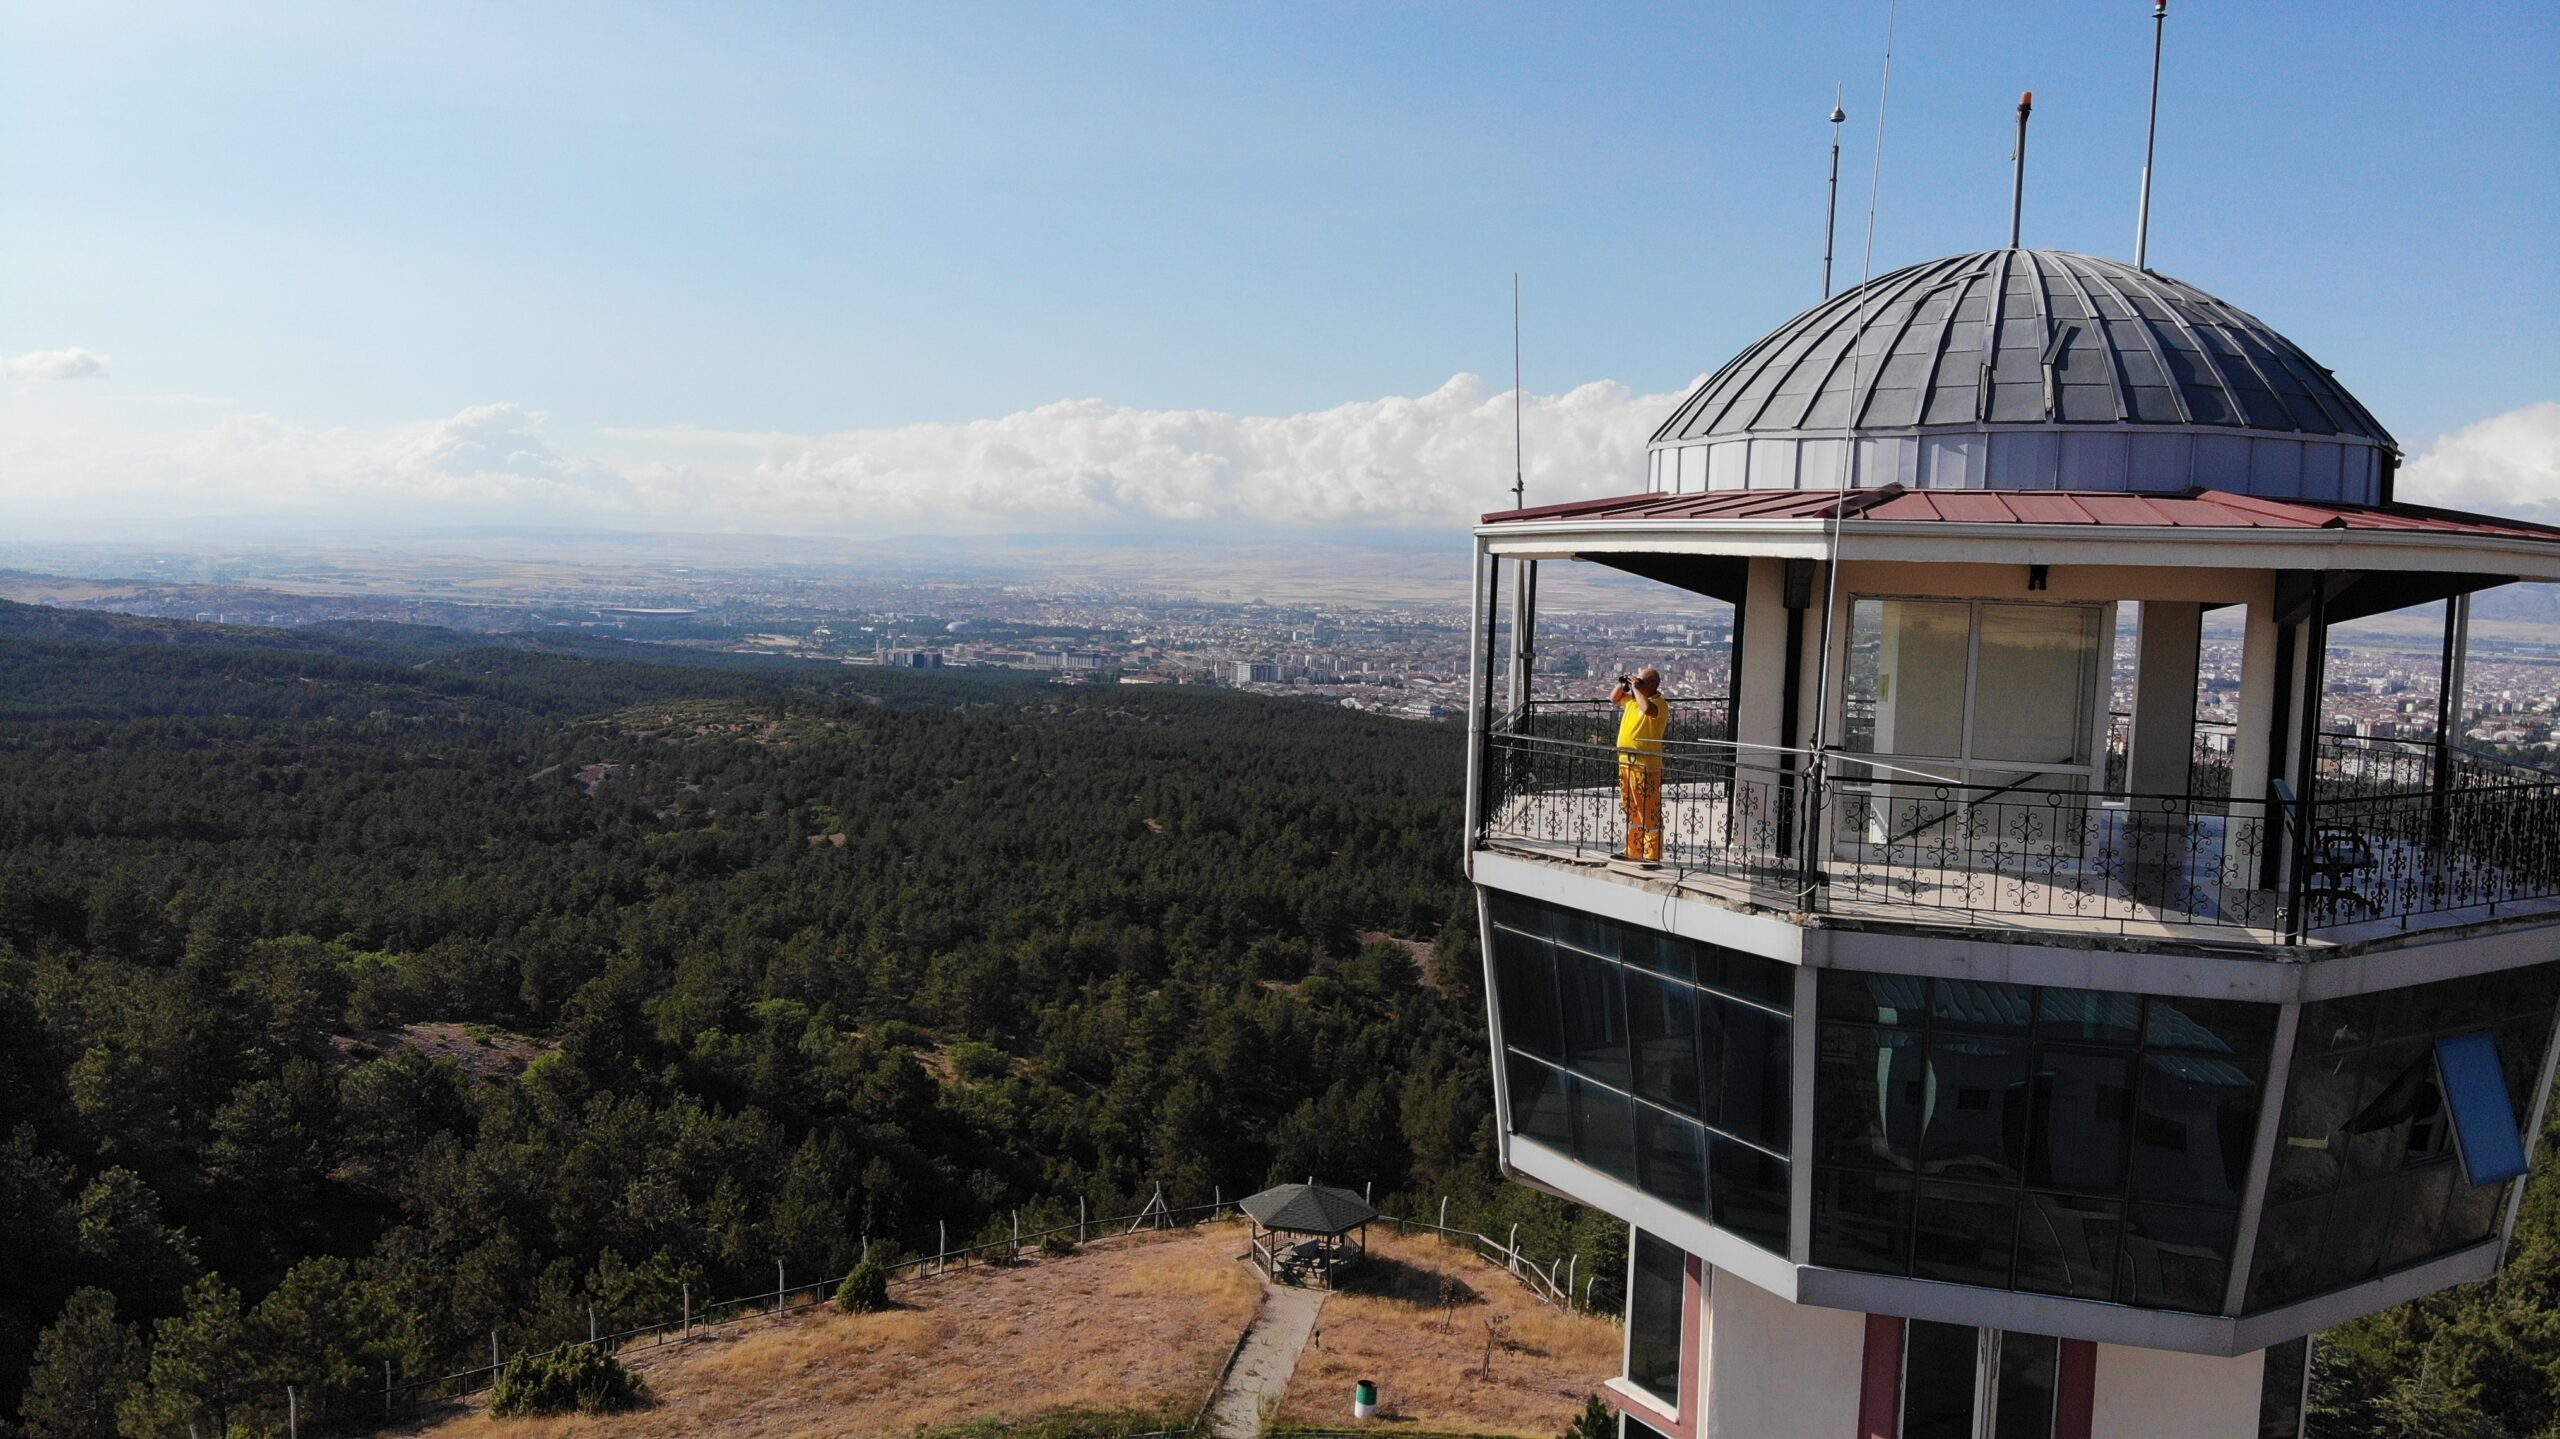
(1388, 1327)
(1142, 1324)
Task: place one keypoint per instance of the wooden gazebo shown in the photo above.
(1310, 1231)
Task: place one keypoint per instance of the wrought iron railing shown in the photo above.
(2392, 845)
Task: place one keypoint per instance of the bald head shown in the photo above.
(1648, 679)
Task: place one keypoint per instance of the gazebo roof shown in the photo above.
(1309, 1209)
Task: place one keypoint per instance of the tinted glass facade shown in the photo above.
(1656, 1309)
(2365, 1178)
(1660, 1061)
(2060, 1141)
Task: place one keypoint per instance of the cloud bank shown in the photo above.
(1425, 460)
(42, 365)
(1418, 462)
(2505, 465)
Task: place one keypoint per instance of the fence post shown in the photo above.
(591, 1322)
(1513, 1263)
(1017, 1229)
(1571, 1269)
(941, 1244)
(781, 1291)
(1079, 1219)
(493, 1356)
(1444, 1211)
(1217, 1202)
(687, 1287)
(386, 1388)
(292, 1414)
(1365, 1186)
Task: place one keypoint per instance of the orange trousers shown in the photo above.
(1640, 793)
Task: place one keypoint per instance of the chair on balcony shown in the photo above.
(2331, 855)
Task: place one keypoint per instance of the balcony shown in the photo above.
(2392, 835)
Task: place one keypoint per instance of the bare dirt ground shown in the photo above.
(1141, 1324)
(486, 1054)
(1388, 1326)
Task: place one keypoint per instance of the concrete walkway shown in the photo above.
(1269, 1357)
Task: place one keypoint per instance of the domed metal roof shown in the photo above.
(2010, 338)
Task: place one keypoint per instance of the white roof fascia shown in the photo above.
(1946, 541)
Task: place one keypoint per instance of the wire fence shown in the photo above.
(1550, 1281)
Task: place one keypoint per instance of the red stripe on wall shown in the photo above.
(2075, 1389)
(1880, 1385)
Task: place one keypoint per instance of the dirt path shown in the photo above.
(1269, 1357)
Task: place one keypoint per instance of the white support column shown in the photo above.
(2249, 758)
(2168, 640)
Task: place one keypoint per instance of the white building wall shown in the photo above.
(2154, 1394)
(1777, 1370)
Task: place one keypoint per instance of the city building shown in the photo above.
(1257, 672)
(1970, 1064)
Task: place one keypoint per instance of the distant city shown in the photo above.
(1401, 657)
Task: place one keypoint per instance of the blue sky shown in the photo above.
(622, 238)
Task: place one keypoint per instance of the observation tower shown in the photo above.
(1987, 1058)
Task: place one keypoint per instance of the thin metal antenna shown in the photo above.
(2018, 177)
(2150, 139)
(1831, 212)
(1519, 486)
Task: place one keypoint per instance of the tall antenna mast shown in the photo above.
(1831, 212)
(2018, 178)
(1519, 486)
(2150, 139)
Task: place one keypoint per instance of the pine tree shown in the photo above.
(84, 1367)
(201, 1367)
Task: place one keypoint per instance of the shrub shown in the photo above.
(1596, 1421)
(580, 1378)
(865, 1290)
(1057, 1246)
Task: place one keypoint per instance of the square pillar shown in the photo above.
(2167, 644)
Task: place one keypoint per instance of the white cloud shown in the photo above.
(2506, 465)
(72, 364)
(1437, 458)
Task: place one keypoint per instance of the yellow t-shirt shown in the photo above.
(1640, 733)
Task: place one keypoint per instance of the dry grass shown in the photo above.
(1389, 1328)
(1140, 1324)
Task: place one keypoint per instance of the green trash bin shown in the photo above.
(1364, 1399)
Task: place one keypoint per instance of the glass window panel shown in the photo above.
(2331, 1025)
(1712, 1009)
(1662, 1024)
(2030, 1365)
(2175, 1258)
(1862, 1221)
(1630, 1427)
(1872, 998)
(2359, 1221)
(1938, 1364)
(1595, 1017)
(2394, 1085)
(1753, 977)
(1664, 953)
(1750, 1193)
(2520, 1053)
(2417, 1214)
(2210, 1026)
(2067, 1245)
(2527, 991)
(1586, 932)
(2089, 1015)
(1604, 1131)
(1869, 1089)
(1977, 1108)
(2040, 680)
(1915, 690)
(1673, 1155)
(2287, 1264)
(2280, 1390)
(2083, 1114)
(1757, 1070)
(1979, 1006)
(2471, 1214)
(2192, 1129)
(1964, 1233)
(2420, 1008)
(1540, 1109)
(1656, 1310)
(1524, 976)
(2319, 1100)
